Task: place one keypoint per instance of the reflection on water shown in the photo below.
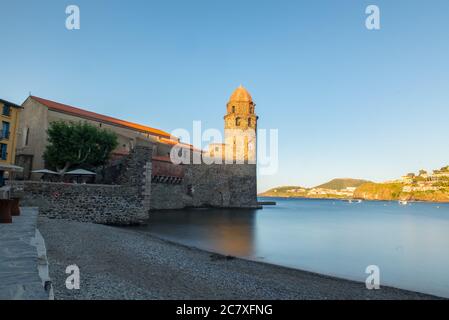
(219, 230)
(410, 243)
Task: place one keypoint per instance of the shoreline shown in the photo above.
(347, 199)
(273, 265)
(123, 263)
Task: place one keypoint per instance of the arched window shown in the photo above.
(249, 122)
(237, 122)
(251, 109)
(233, 109)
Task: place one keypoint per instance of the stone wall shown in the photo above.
(231, 186)
(223, 185)
(105, 204)
(168, 196)
(136, 171)
(139, 190)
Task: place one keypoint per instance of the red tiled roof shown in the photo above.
(56, 106)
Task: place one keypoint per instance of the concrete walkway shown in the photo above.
(23, 264)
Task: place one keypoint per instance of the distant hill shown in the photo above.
(342, 183)
(284, 191)
(379, 191)
(284, 188)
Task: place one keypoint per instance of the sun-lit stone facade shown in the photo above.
(240, 127)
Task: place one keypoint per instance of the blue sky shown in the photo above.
(348, 102)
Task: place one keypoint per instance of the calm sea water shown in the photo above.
(410, 244)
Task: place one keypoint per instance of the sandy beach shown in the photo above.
(122, 263)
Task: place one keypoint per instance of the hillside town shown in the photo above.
(317, 192)
(347, 192)
(423, 186)
(424, 181)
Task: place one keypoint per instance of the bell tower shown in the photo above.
(240, 127)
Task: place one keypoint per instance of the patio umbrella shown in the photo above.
(81, 172)
(44, 171)
(10, 167)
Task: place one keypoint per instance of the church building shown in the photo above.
(227, 184)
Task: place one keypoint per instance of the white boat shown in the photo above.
(403, 202)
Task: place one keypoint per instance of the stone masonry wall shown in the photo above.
(129, 202)
(231, 186)
(105, 204)
(168, 196)
(136, 171)
(223, 185)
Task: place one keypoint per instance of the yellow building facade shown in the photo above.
(9, 120)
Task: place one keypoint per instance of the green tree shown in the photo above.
(78, 144)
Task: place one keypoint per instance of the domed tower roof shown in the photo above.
(241, 94)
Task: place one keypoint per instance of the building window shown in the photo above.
(3, 151)
(5, 130)
(249, 122)
(237, 122)
(233, 109)
(6, 110)
(27, 135)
